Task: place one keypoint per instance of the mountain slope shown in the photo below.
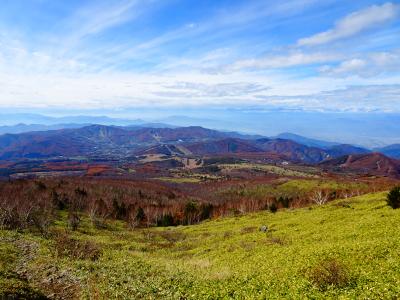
(292, 150)
(228, 145)
(371, 163)
(95, 140)
(92, 140)
(180, 134)
(345, 149)
(163, 149)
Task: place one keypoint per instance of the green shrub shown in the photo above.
(273, 207)
(285, 201)
(393, 198)
(120, 210)
(206, 211)
(166, 220)
(191, 212)
(140, 215)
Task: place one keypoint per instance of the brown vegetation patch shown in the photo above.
(94, 170)
(277, 240)
(248, 229)
(330, 272)
(70, 247)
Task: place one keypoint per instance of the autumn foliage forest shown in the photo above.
(36, 203)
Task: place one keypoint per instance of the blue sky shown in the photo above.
(312, 55)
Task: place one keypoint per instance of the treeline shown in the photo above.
(37, 203)
(33, 203)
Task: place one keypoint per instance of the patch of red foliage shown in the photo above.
(65, 166)
(94, 170)
(147, 169)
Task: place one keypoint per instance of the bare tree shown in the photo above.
(319, 197)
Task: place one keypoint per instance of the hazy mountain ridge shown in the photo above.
(344, 149)
(12, 119)
(306, 141)
(373, 130)
(116, 141)
(391, 150)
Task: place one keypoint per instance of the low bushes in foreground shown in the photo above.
(318, 253)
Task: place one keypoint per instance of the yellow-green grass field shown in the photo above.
(269, 169)
(227, 258)
(179, 179)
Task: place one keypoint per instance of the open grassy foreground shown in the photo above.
(346, 249)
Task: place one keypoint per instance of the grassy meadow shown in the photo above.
(346, 249)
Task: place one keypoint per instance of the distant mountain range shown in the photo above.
(99, 141)
(123, 143)
(391, 150)
(370, 130)
(114, 141)
(22, 128)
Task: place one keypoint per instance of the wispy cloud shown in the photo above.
(352, 98)
(207, 32)
(369, 65)
(219, 90)
(101, 16)
(284, 61)
(354, 23)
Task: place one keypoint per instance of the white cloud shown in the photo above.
(123, 90)
(369, 65)
(193, 90)
(15, 58)
(347, 66)
(356, 98)
(284, 61)
(38, 79)
(113, 90)
(354, 24)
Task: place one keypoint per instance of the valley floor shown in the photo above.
(346, 249)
